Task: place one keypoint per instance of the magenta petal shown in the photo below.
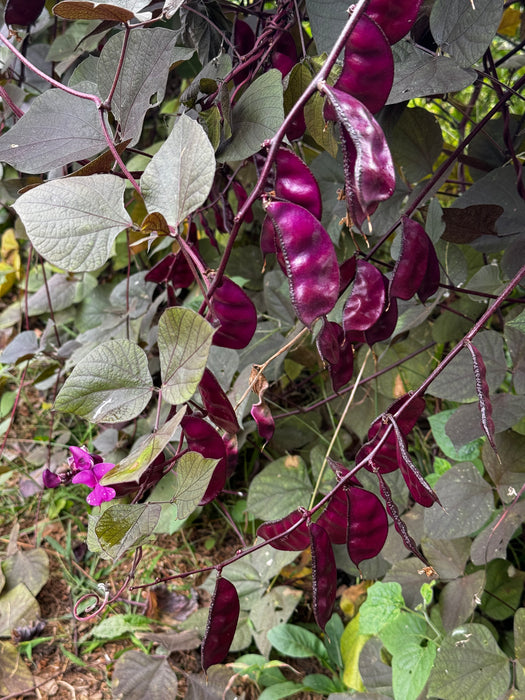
(81, 458)
(85, 477)
(102, 469)
(100, 494)
(50, 479)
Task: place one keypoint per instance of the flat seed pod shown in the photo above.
(221, 625)
(310, 259)
(295, 541)
(411, 266)
(324, 575)
(385, 325)
(23, 12)
(368, 65)
(482, 390)
(430, 283)
(385, 459)
(406, 421)
(217, 404)
(367, 526)
(366, 302)
(295, 182)
(334, 518)
(236, 314)
(395, 17)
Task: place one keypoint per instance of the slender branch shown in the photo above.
(116, 154)
(109, 98)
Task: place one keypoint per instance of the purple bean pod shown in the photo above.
(295, 541)
(295, 182)
(430, 283)
(235, 313)
(367, 525)
(366, 301)
(324, 575)
(411, 266)
(222, 623)
(284, 54)
(482, 390)
(310, 259)
(395, 17)
(23, 12)
(217, 404)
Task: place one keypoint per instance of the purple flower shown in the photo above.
(91, 477)
(84, 468)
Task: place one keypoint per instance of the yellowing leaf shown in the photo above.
(353, 596)
(351, 645)
(510, 22)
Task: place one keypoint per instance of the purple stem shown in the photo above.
(9, 102)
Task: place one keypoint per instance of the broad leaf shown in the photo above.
(382, 606)
(464, 425)
(111, 384)
(508, 472)
(279, 489)
(492, 542)
(416, 143)
(256, 117)
(352, 643)
(143, 76)
(184, 343)
(468, 502)
(58, 129)
(418, 73)
(274, 608)
(470, 665)
(297, 642)
(30, 568)
(117, 10)
(179, 177)
(464, 30)
(458, 599)
(18, 607)
(132, 467)
(137, 676)
(121, 527)
(15, 677)
(72, 223)
(189, 484)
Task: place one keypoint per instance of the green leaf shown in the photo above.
(72, 223)
(281, 690)
(319, 683)
(142, 79)
(465, 425)
(15, 677)
(30, 568)
(137, 676)
(468, 502)
(518, 322)
(519, 636)
(508, 471)
(118, 625)
(297, 642)
(492, 542)
(179, 177)
(58, 129)
(465, 453)
(503, 590)
(279, 489)
(456, 382)
(465, 29)
(320, 131)
(189, 483)
(327, 18)
(418, 73)
(18, 607)
(352, 643)
(111, 384)
(148, 448)
(256, 117)
(469, 665)
(416, 143)
(184, 344)
(274, 608)
(121, 527)
(382, 606)
(459, 598)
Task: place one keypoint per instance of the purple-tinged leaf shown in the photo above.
(295, 182)
(430, 283)
(204, 439)
(295, 541)
(411, 266)
(234, 310)
(366, 302)
(400, 526)
(284, 54)
(395, 17)
(368, 65)
(217, 404)
(367, 525)
(347, 273)
(222, 623)
(23, 12)
(418, 487)
(369, 168)
(324, 575)
(310, 259)
(482, 390)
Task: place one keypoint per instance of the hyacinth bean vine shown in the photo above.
(230, 175)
